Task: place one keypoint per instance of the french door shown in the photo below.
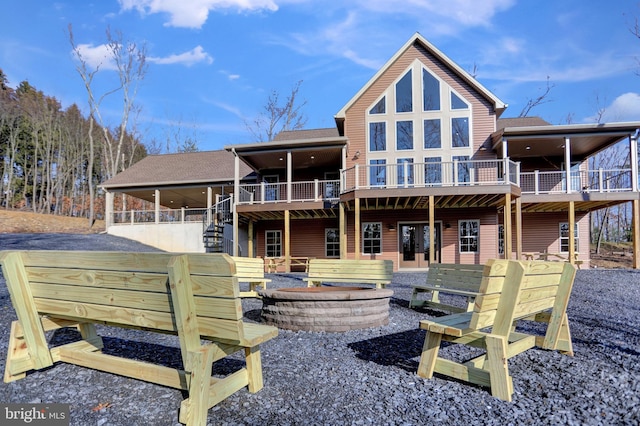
(414, 244)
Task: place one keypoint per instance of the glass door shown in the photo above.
(414, 245)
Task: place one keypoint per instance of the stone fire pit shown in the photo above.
(332, 309)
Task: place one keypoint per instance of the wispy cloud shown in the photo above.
(97, 56)
(625, 107)
(193, 14)
(189, 58)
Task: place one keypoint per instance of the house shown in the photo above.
(420, 168)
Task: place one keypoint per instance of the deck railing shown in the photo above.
(164, 216)
(431, 174)
(316, 190)
(601, 180)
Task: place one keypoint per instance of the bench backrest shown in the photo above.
(141, 290)
(512, 290)
(249, 267)
(360, 269)
(455, 276)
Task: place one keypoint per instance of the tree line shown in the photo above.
(47, 166)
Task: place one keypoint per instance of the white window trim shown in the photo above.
(326, 243)
(477, 239)
(279, 231)
(576, 237)
(364, 224)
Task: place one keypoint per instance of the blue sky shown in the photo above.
(213, 63)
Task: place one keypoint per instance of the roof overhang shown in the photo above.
(308, 153)
(549, 141)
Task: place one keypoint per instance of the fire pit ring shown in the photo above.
(330, 309)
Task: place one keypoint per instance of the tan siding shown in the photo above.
(483, 119)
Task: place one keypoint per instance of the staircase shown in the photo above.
(213, 225)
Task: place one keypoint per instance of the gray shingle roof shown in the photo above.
(181, 168)
(289, 135)
(502, 123)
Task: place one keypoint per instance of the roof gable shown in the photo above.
(498, 105)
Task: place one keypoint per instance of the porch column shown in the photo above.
(108, 207)
(572, 233)
(209, 203)
(518, 228)
(356, 230)
(235, 198)
(289, 175)
(507, 227)
(432, 229)
(505, 146)
(567, 163)
(250, 240)
(287, 242)
(635, 211)
(633, 150)
(342, 224)
(157, 202)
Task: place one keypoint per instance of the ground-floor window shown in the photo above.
(273, 243)
(469, 233)
(372, 238)
(500, 240)
(564, 237)
(332, 242)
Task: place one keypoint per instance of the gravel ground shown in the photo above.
(362, 377)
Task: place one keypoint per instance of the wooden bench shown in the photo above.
(561, 257)
(273, 263)
(251, 270)
(195, 296)
(363, 271)
(510, 290)
(451, 278)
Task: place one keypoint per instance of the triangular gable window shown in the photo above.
(457, 102)
(380, 107)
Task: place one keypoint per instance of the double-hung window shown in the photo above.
(564, 237)
(372, 238)
(469, 234)
(273, 243)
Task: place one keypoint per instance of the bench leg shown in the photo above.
(17, 353)
(254, 368)
(198, 403)
(429, 354)
(497, 365)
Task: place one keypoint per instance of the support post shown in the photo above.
(508, 245)
(635, 211)
(356, 230)
(518, 228)
(342, 223)
(287, 241)
(432, 229)
(572, 232)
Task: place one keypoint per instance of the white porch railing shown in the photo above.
(601, 180)
(316, 190)
(131, 217)
(436, 174)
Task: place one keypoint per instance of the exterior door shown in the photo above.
(414, 245)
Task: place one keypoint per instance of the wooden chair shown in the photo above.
(510, 291)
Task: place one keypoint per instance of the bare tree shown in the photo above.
(278, 117)
(131, 66)
(541, 99)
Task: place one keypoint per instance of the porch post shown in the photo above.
(209, 203)
(289, 174)
(633, 150)
(342, 223)
(505, 146)
(508, 245)
(518, 226)
(572, 233)
(108, 207)
(235, 198)
(567, 163)
(432, 230)
(635, 211)
(287, 242)
(356, 229)
(250, 240)
(157, 202)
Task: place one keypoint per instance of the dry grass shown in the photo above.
(16, 221)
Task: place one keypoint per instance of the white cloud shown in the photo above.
(97, 56)
(625, 107)
(193, 13)
(193, 56)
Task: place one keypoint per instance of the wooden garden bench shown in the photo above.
(362, 271)
(195, 296)
(251, 270)
(451, 278)
(510, 290)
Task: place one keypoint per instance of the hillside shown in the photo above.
(16, 221)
